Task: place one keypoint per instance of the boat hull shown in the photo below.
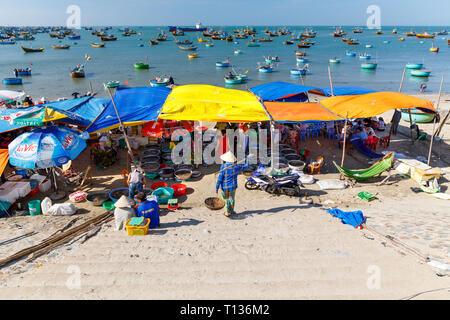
(420, 73)
(141, 66)
(417, 116)
(12, 81)
(414, 66)
(369, 66)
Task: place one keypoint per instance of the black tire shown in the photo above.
(273, 189)
(251, 185)
(293, 191)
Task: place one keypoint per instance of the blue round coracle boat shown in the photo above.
(12, 81)
(414, 66)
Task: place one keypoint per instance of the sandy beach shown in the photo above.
(274, 248)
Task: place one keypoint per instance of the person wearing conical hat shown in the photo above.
(124, 210)
(227, 180)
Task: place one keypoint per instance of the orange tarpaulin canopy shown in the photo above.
(4, 157)
(299, 111)
(373, 104)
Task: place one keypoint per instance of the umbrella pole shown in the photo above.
(272, 144)
(121, 124)
(345, 139)
(409, 110)
(55, 185)
(434, 121)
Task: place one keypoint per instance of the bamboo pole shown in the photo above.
(434, 120)
(121, 124)
(331, 81)
(345, 139)
(409, 110)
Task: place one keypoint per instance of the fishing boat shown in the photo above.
(364, 56)
(338, 33)
(235, 78)
(74, 37)
(353, 42)
(417, 116)
(198, 27)
(425, 35)
(209, 44)
(223, 64)
(265, 68)
(369, 66)
(265, 40)
(253, 44)
(97, 45)
(369, 46)
(200, 40)
(386, 41)
(299, 71)
(300, 53)
(192, 55)
(420, 73)
(191, 48)
(401, 39)
(12, 81)
(335, 60)
(108, 38)
(229, 39)
(378, 32)
(177, 33)
(270, 59)
(207, 34)
(433, 48)
(411, 33)
(32, 50)
(302, 60)
(161, 37)
(163, 81)
(350, 54)
(153, 42)
(237, 51)
(184, 42)
(394, 31)
(78, 72)
(111, 84)
(60, 47)
(414, 66)
(357, 30)
(141, 65)
(287, 42)
(441, 33)
(301, 45)
(23, 72)
(8, 41)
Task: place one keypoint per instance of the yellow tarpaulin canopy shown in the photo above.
(299, 111)
(210, 103)
(4, 157)
(373, 104)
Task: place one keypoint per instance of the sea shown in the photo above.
(51, 68)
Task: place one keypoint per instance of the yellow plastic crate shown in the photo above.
(137, 230)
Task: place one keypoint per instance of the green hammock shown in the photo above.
(377, 168)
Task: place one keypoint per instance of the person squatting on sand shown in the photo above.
(124, 210)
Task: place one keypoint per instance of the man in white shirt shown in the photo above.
(136, 181)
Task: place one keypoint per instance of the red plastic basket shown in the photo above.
(34, 191)
(157, 185)
(179, 189)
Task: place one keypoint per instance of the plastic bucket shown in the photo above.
(163, 194)
(179, 189)
(34, 207)
(158, 185)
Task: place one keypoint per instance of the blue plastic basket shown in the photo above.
(164, 194)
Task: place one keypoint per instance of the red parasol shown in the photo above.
(164, 128)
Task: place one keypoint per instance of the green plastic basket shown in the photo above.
(108, 205)
(152, 175)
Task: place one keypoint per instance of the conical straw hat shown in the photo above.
(123, 202)
(228, 157)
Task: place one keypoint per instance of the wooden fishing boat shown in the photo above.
(60, 47)
(308, 35)
(334, 60)
(160, 82)
(192, 55)
(357, 30)
(209, 44)
(111, 84)
(417, 116)
(32, 50)
(265, 69)
(161, 37)
(200, 40)
(300, 53)
(425, 35)
(401, 39)
(308, 43)
(378, 32)
(241, 36)
(229, 39)
(301, 45)
(270, 59)
(287, 42)
(433, 48)
(154, 42)
(97, 45)
(12, 81)
(352, 43)
(265, 40)
(414, 66)
(394, 31)
(345, 40)
(441, 33)
(77, 73)
(206, 34)
(7, 42)
(420, 73)
(273, 34)
(74, 37)
(369, 66)
(184, 42)
(188, 48)
(108, 38)
(411, 33)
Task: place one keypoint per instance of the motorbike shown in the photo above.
(288, 185)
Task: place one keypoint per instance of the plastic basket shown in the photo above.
(157, 185)
(172, 204)
(34, 191)
(138, 230)
(34, 207)
(108, 205)
(163, 194)
(152, 175)
(45, 186)
(179, 189)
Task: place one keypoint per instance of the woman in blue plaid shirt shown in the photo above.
(227, 180)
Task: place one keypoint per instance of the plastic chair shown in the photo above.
(374, 143)
(317, 165)
(385, 141)
(331, 134)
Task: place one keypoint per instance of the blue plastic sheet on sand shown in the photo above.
(353, 218)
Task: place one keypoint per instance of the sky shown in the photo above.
(226, 12)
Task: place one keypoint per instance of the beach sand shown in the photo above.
(274, 248)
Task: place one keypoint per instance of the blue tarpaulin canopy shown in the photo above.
(342, 91)
(5, 124)
(134, 105)
(282, 91)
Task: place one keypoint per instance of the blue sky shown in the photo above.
(226, 12)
